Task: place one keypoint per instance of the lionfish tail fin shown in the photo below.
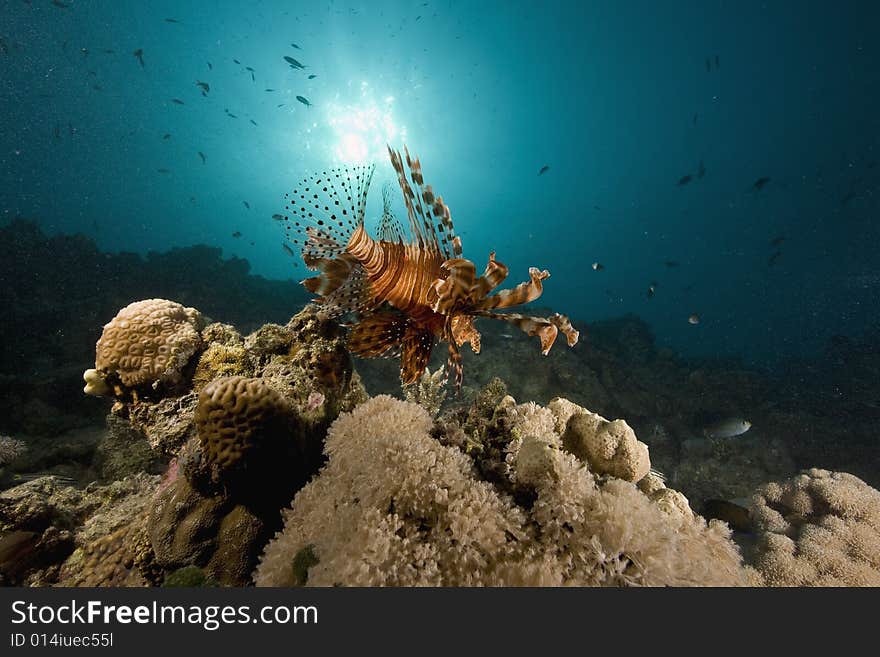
(322, 211)
(343, 285)
(320, 216)
(545, 328)
(430, 221)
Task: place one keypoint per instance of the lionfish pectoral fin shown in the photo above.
(522, 293)
(415, 352)
(492, 277)
(455, 289)
(453, 358)
(545, 328)
(463, 330)
(376, 334)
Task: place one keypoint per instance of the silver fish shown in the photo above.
(727, 428)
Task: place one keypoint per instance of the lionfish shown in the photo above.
(406, 292)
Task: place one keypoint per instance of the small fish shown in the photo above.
(247, 205)
(210, 67)
(670, 263)
(288, 250)
(701, 171)
(293, 45)
(249, 69)
(202, 155)
(61, 479)
(278, 217)
(236, 234)
(237, 62)
(652, 290)
(139, 53)
(544, 169)
(270, 90)
(759, 184)
(70, 129)
(684, 180)
(717, 61)
(163, 170)
(773, 258)
(777, 241)
(293, 63)
(694, 319)
(108, 51)
(708, 65)
(97, 87)
(312, 76)
(254, 122)
(60, 4)
(728, 428)
(253, 78)
(177, 101)
(733, 514)
(281, 105)
(204, 87)
(171, 20)
(506, 336)
(597, 266)
(84, 51)
(304, 101)
(696, 115)
(167, 135)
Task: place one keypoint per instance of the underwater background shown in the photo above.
(701, 179)
(620, 100)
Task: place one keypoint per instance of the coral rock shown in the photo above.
(609, 447)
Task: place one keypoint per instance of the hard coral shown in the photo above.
(818, 528)
(235, 417)
(609, 447)
(394, 506)
(148, 343)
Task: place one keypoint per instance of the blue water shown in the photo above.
(620, 100)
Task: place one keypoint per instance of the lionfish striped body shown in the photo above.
(406, 293)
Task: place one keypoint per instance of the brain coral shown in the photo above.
(148, 342)
(235, 416)
(819, 528)
(394, 506)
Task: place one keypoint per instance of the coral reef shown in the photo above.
(394, 506)
(818, 528)
(48, 332)
(43, 523)
(429, 391)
